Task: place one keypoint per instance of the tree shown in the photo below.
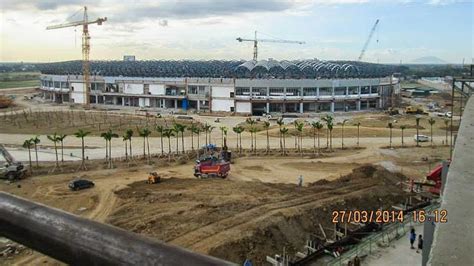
(108, 136)
(342, 133)
(280, 124)
(390, 126)
(129, 134)
(446, 122)
(253, 131)
(432, 121)
(179, 128)
(295, 124)
(197, 130)
(54, 139)
(402, 127)
(28, 144)
(61, 139)
(329, 127)
(417, 130)
(223, 130)
(35, 142)
(299, 128)
(251, 123)
(238, 130)
(105, 137)
(145, 133)
(192, 129)
(168, 133)
(358, 133)
(266, 126)
(207, 129)
(283, 132)
(176, 129)
(82, 134)
(160, 129)
(125, 139)
(317, 126)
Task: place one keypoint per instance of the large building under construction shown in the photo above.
(251, 87)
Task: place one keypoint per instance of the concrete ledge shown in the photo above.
(454, 241)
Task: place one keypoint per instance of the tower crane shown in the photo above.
(85, 22)
(256, 41)
(368, 40)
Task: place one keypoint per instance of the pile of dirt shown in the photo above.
(6, 102)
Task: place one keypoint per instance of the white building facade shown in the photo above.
(242, 96)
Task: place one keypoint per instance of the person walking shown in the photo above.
(420, 244)
(300, 181)
(412, 238)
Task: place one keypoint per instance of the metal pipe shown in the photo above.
(79, 241)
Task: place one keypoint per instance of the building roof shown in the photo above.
(298, 69)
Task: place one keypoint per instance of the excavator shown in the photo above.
(10, 169)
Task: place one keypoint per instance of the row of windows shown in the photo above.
(323, 91)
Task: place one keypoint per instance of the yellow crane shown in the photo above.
(256, 41)
(85, 46)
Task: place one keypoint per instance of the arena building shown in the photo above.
(266, 86)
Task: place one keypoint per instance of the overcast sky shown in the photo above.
(206, 29)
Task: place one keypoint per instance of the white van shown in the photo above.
(422, 138)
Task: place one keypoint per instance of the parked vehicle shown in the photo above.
(80, 184)
(11, 169)
(421, 138)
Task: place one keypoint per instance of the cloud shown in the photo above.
(42, 4)
(163, 22)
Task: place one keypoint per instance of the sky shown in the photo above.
(207, 29)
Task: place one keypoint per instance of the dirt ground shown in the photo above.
(251, 212)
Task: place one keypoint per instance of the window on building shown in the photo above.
(72, 88)
(325, 91)
(365, 90)
(353, 90)
(232, 95)
(310, 91)
(232, 109)
(202, 90)
(375, 89)
(259, 91)
(340, 91)
(146, 89)
(293, 91)
(192, 90)
(242, 91)
(57, 84)
(276, 91)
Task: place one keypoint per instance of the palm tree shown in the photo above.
(108, 136)
(192, 129)
(283, 132)
(28, 144)
(145, 133)
(197, 131)
(238, 130)
(299, 128)
(160, 130)
(280, 124)
(129, 134)
(266, 126)
(295, 124)
(432, 121)
(125, 139)
(168, 133)
(446, 122)
(390, 125)
(317, 126)
(253, 131)
(329, 126)
(417, 130)
(36, 141)
(61, 139)
(82, 134)
(207, 128)
(402, 127)
(342, 133)
(105, 137)
(251, 123)
(176, 129)
(358, 133)
(54, 139)
(180, 128)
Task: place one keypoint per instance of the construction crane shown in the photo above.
(368, 40)
(256, 41)
(85, 46)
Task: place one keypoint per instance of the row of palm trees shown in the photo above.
(177, 130)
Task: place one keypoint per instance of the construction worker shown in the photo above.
(300, 181)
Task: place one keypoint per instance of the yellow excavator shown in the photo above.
(418, 110)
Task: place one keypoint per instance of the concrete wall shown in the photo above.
(77, 95)
(243, 107)
(219, 91)
(133, 88)
(157, 89)
(454, 241)
(222, 105)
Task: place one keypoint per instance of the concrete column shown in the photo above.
(115, 100)
(332, 106)
(54, 97)
(347, 91)
(301, 108)
(96, 99)
(317, 92)
(123, 101)
(358, 105)
(268, 107)
(175, 104)
(198, 105)
(103, 99)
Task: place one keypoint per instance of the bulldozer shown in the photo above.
(415, 110)
(153, 178)
(11, 169)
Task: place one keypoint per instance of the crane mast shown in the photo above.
(255, 41)
(85, 47)
(368, 40)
